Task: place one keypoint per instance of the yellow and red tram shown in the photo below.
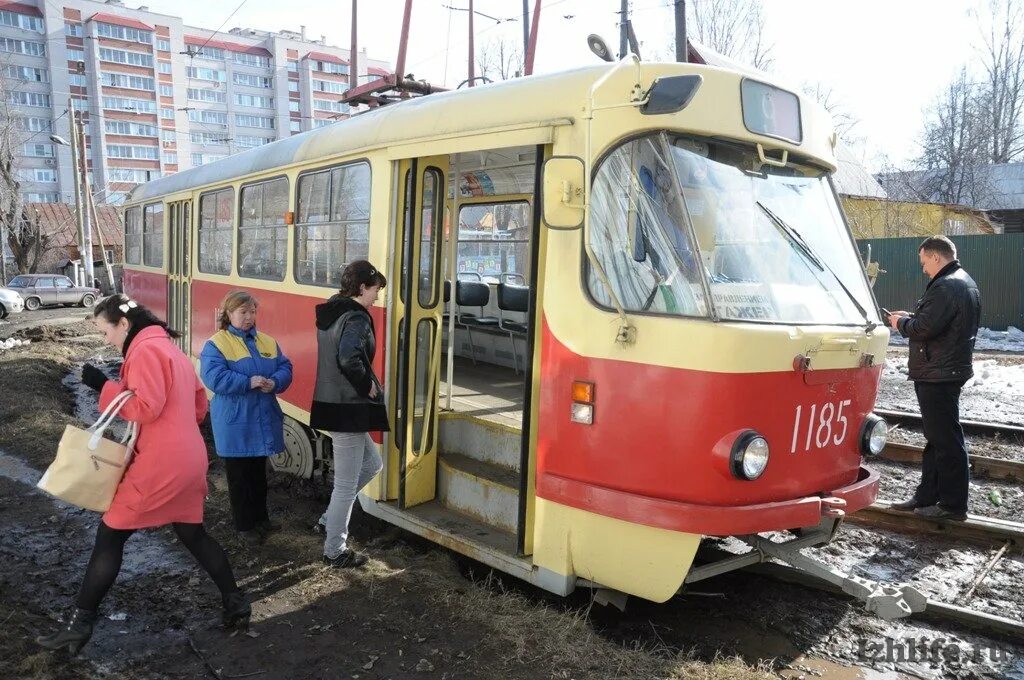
(625, 311)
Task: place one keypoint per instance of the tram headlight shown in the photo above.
(749, 455)
(873, 435)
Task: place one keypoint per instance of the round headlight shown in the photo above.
(749, 455)
(874, 435)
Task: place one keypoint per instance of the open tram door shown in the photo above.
(417, 277)
(178, 273)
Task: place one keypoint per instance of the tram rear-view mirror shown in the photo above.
(564, 187)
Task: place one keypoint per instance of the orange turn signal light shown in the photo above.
(583, 392)
(289, 217)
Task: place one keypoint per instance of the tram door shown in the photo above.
(417, 306)
(178, 273)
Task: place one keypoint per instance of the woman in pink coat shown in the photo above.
(166, 480)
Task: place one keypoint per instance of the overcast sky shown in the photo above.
(886, 60)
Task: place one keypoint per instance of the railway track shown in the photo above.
(977, 426)
(981, 466)
(977, 528)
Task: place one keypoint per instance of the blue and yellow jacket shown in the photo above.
(246, 422)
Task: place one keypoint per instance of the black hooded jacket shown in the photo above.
(344, 373)
(943, 327)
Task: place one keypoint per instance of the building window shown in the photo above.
(123, 33)
(215, 232)
(30, 124)
(266, 122)
(77, 80)
(293, 86)
(250, 80)
(153, 235)
(322, 122)
(254, 101)
(263, 234)
(166, 90)
(207, 52)
(199, 95)
(167, 113)
(123, 127)
(39, 150)
(150, 153)
(250, 141)
(133, 235)
(46, 175)
(76, 54)
(251, 60)
(328, 105)
(293, 106)
(41, 197)
(206, 138)
(27, 74)
(165, 67)
(163, 44)
(29, 99)
(293, 66)
(170, 158)
(15, 20)
(295, 125)
(73, 30)
(333, 223)
(202, 73)
(125, 104)
(29, 47)
(331, 86)
(132, 175)
(330, 67)
(168, 136)
(122, 57)
(126, 81)
(208, 117)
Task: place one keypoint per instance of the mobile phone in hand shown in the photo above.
(885, 313)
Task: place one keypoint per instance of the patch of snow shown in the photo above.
(11, 343)
(989, 376)
(988, 340)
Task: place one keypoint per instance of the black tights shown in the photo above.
(105, 562)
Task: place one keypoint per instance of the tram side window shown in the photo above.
(133, 236)
(333, 223)
(153, 235)
(262, 233)
(215, 211)
(494, 240)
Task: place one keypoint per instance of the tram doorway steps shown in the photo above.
(483, 491)
(481, 439)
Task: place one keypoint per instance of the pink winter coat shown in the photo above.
(166, 480)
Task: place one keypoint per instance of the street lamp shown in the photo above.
(57, 139)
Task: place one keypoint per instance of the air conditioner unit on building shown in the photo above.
(51, 161)
(168, 145)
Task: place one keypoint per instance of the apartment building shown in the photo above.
(157, 95)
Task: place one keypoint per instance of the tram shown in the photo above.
(654, 330)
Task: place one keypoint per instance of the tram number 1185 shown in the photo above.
(824, 426)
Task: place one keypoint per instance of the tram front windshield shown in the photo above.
(674, 220)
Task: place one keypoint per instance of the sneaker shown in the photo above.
(319, 528)
(348, 559)
(939, 512)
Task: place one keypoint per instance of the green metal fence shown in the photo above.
(995, 261)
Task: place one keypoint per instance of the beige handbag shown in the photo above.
(88, 467)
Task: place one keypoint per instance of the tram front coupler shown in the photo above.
(888, 601)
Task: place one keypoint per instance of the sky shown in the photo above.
(885, 60)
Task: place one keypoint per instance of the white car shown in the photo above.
(10, 302)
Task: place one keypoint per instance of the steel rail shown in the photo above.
(969, 425)
(976, 528)
(982, 466)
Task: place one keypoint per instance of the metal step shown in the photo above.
(482, 440)
(483, 491)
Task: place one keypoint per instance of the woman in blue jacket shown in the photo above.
(245, 370)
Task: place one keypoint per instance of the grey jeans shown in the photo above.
(356, 462)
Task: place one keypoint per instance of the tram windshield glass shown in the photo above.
(676, 220)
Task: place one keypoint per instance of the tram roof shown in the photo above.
(549, 96)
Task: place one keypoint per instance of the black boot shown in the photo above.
(236, 610)
(74, 635)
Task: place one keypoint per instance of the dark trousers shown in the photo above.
(247, 488)
(945, 476)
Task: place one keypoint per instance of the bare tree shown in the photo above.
(844, 119)
(734, 28)
(500, 59)
(1002, 92)
(28, 242)
(955, 147)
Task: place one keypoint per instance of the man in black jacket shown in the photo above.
(941, 330)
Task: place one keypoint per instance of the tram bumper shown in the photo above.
(795, 513)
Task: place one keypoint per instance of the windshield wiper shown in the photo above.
(798, 242)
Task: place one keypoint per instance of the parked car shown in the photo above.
(52, 289)
(10, 302)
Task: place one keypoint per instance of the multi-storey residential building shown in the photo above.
(157, 96)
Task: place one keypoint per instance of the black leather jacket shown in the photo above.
(943, 327)
(344, 374)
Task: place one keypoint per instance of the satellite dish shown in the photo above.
(598, 47)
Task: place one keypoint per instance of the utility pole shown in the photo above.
(531, 51)
(87, 258)
(107, 264)
(79, 212)
(472, 52)
(682, 48)
(353, 58)
(526, 26)
(623, 31)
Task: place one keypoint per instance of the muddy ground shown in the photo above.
(417, 611)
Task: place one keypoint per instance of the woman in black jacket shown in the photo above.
(348, 401)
